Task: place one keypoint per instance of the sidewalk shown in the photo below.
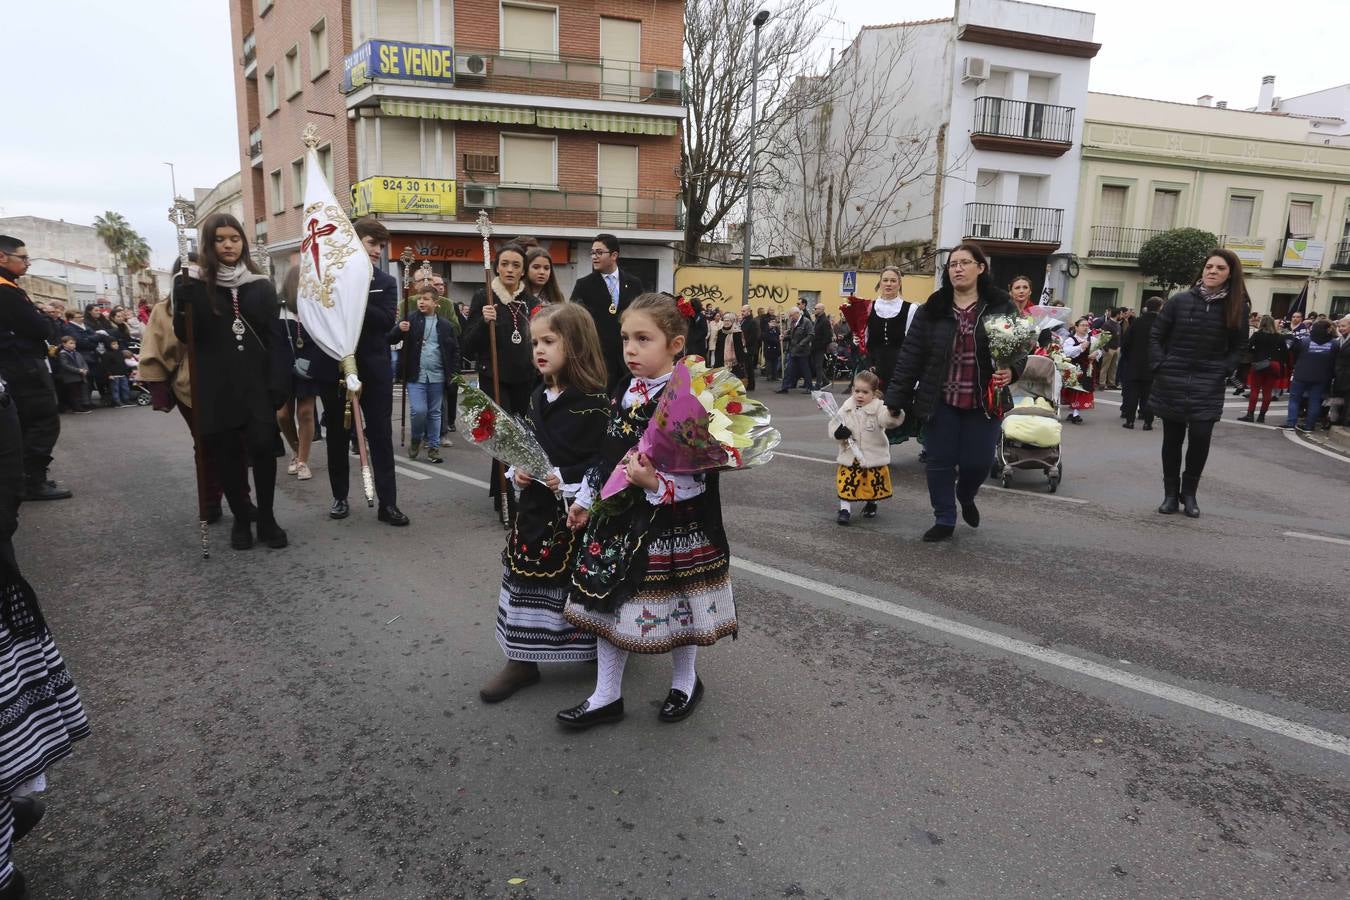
(1336, 440)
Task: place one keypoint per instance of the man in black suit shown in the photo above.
(374, 368)
(605, 293)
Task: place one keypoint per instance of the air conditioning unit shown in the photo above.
(974, 69)
(667, 84)
(470, 65)
(480, 196)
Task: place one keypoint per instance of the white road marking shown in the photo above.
(1298, 731)
(986, 487)
(1225, 421)
(409, 473)
(446, 473)
(1293, 436)
(1317, 537)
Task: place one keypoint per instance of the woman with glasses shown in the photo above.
(946, 379)
(1194, 347)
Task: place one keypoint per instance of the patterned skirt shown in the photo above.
(1076, 399)
(530, 623)
(684, 596)
(856, 483)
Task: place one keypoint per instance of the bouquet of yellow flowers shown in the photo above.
(703, 421)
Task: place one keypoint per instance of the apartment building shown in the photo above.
(560, 119)
(988, 105)
(1264, 182)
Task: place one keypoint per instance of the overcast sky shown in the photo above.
(99, 95)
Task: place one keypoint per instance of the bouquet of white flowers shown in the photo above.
(1100, 340)
(1009, 337)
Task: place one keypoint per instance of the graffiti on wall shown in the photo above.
(703, 293)
(759, 293)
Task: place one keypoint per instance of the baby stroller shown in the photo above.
(1030, 433)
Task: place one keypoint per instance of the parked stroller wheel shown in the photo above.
(1006, 479)
(142, 400)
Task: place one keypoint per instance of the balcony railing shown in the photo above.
(255, 143)
(513, 71)
(1022, 120)
(607, 209)
(1016, 224)
(1116, 242)
(250, 50)
(1342, 258)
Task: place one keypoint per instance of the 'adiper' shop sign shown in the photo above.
(397, 61)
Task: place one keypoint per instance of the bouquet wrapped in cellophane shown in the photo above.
(1101, 339)
(499, 434)
(1009, 338)
(703, 421)
(1068, 369)
(830, 407)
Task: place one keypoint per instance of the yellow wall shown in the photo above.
(780, 288)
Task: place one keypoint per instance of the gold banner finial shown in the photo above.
(310, 136)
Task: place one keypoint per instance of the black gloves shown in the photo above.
(842, 433)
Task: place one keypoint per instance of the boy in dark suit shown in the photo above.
(605, 293)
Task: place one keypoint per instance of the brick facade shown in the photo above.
(476, 27)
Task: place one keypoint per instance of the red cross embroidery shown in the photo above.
(311, 241)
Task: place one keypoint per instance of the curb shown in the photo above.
(1337, 440)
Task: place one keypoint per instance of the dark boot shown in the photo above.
(1188, 505)
(1247, 418)
(269, 532)
(1171, 497)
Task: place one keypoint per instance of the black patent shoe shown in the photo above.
(869, 510)
(582, 716)
(393, 515)
(17, 889)
(844, 517)
(339, 510)
(28, 811)
(43, 490)
(678, 706)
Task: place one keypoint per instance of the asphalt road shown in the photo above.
(1080, 699)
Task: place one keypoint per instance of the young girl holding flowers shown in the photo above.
(567, 411)
(864, 451)
(652, 573)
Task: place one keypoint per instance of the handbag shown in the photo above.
(300, 367)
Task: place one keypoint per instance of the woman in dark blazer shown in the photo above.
(946, 378)
(1194, 347)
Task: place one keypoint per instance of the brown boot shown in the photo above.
(513, 676)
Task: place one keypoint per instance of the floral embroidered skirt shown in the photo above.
(684, 596)
(856, 483)
(1076, 399)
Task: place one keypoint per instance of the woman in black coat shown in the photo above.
(945, 376)
(728, 348)
(233, 307)
(509, 308)
(1194, 347)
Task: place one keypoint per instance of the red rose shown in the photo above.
(685, 307)
(486, 426)
(734, 407)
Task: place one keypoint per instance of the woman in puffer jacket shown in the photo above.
(1194, 347)
(864, 450)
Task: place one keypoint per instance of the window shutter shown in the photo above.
(1240, 210)
(396, 20)
(528, 161)
(400, 147)
(529, 30)
(1113, 205)
(1301, 219)
(620, 49)
(1165, 209)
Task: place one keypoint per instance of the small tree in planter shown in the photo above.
(1174, 258)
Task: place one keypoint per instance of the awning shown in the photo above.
(457, 112)
(612, 122)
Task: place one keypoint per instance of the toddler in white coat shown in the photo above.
(864, 452)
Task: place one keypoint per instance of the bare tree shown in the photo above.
(852, 164)
(718, 38)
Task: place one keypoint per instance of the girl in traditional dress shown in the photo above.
(887, 322)
(568, 411)
(652, 570)
(233, 306)
(860, 427)
(1078, 347)
(507, 306)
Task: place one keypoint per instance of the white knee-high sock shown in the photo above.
(844, 504)
(609, 663)
(683, 676)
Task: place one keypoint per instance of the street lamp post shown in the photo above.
(747, 229)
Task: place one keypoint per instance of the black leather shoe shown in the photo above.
(677, 706)
(392, 515)
(1170, 505)
(938, 533)
(844, 517)
(44, 491)
(1148, 426)
(339, 510)
(241, 535)
(1127, 424)
(582, 716)
(270, 533)
(1189, 507)
(28, 811)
